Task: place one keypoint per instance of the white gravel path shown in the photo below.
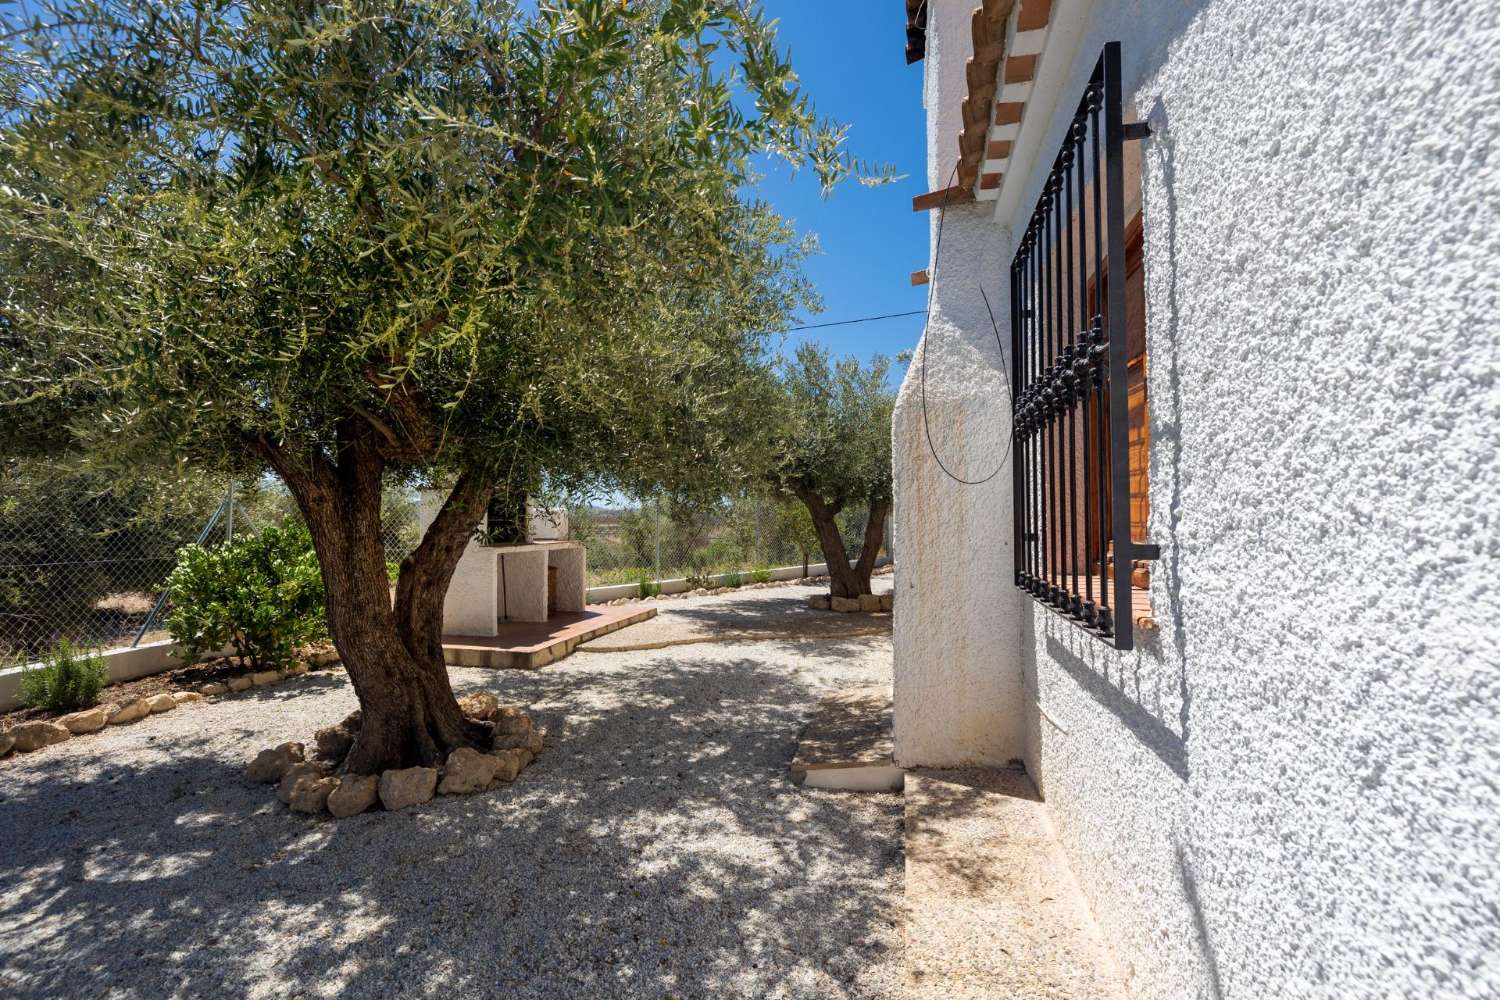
(655, 850)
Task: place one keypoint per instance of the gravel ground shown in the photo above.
(772, 613)
(656, 849)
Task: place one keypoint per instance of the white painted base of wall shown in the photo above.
(124, 664)
(679, 585)
(864, 778)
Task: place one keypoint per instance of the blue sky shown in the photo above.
(850, 55)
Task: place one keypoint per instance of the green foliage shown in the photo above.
(793, 528)
(491, 236)
(72, 536)
(67, 680)
(733, 578)
(262, 595)
(639, 531)
(834, 440)
(760, 574)
(583, 523)
(649, 588)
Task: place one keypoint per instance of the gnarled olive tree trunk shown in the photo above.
(846, 580)
(392, 650)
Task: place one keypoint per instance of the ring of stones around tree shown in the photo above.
(37, 734)
(869, 603)
(315, 788)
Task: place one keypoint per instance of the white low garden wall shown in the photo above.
(129, 663)
(125, 664)
(680, 585)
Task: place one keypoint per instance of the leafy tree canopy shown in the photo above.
(472, 240)
(493, 235)
(833, 448)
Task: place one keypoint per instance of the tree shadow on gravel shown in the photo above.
(655, 849)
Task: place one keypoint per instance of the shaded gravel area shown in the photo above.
(772, 613)
(656, 849)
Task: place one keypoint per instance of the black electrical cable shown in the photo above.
(862, 319)
(937, 250)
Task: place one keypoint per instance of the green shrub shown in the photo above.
(67, 680)
(261, 595)
(760, 574)
(649, 588)
(733, 579)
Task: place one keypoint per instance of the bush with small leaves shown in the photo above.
(67, 680)
(261, 595)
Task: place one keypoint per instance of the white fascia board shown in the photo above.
(1064, 31)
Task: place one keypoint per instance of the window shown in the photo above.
(1078, 378)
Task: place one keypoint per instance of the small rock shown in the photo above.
(310, 795)
(7, 741)
(534, 741)
(240, 683)
(407, 787)
(265, 677)
(161, 703)
(130, 712)
(480, 705)
(213, 690)
(511, 720)
(297, 669)
(467, 771)
(509, 741)
(90, 720)
(272, 765)
(355, 793)
(35, 735)
(294, 774)
(818, 602)
(869, 602)
(333, 742)
(844, 604)
(887, 602)
(352, 721)
(510, 763)
(186, 697)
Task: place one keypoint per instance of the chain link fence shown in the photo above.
(84, 555)
(637, 542)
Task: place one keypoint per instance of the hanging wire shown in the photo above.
(926, 335)
(862, 319)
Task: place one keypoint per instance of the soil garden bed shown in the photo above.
(130, 701)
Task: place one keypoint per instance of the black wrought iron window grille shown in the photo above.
(1070, 457)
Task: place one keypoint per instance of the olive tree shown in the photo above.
(481, 243)
(833, 448)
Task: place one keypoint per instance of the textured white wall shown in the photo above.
(1294, 791)
(957, 625)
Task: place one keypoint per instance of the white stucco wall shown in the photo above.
(1294, 791)
(957, 625)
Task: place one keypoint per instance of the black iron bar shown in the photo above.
(1119, 404)
(1074, 606)
(1017, 520)
(1044, 458)
(1085, 368)
(1033, 304)
(1101, 445)
(1055, 401)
